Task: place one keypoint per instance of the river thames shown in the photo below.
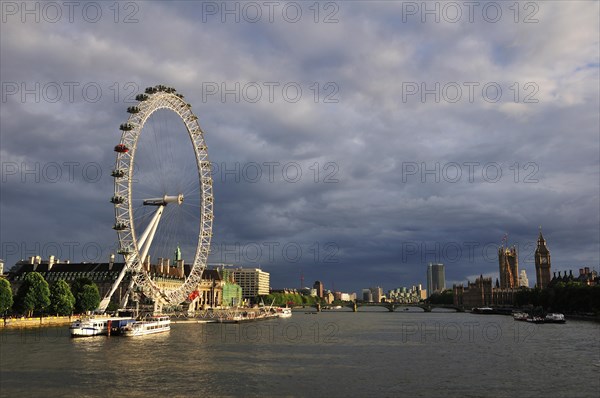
(335, 353)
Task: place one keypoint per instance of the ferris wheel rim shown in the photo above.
(155, 99)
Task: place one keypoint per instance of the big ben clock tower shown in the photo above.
(542, 262)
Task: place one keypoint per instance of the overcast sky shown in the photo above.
(418, 135)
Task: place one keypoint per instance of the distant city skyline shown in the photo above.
(386, 285)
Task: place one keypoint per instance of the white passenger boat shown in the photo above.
(154, 324)
(247, 316)
(283, 312)
(97, 326)
(520, 316)
(554, 318)
(536, 319)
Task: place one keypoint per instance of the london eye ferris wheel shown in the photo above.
(162, 194)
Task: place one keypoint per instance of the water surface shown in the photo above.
(335, 353)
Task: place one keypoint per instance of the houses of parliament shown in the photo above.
(509, 266)
(483, 293)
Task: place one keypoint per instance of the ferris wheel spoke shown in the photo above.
(187, 211)
(191, 188)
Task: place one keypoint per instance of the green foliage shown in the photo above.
(87, 296)
(291, 299)
(78, 284)
(6, 297)
(525, 296)
(62, 300)
(34, 294)
(445, 297)
(568, 298)
(112, 306)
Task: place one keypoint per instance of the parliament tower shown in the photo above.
(509, 267)
(542, 263)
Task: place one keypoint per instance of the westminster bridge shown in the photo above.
(391, 306)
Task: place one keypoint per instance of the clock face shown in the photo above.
(544, 260)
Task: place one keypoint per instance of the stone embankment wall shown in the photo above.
(35, 322)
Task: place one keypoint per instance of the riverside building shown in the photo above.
(253, 281)
(523, 279)
(481, 294)
(373, 295)
(214, 290)
(406, 295)
(436, 278)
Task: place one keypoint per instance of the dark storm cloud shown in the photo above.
(382, 218)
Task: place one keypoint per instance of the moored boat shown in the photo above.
(247, 316)
(283, 312)
(554, 318)
(484, 310)
(536, 319)
(549, 318)
(97, 326)
(520, 316)
(151, 325)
